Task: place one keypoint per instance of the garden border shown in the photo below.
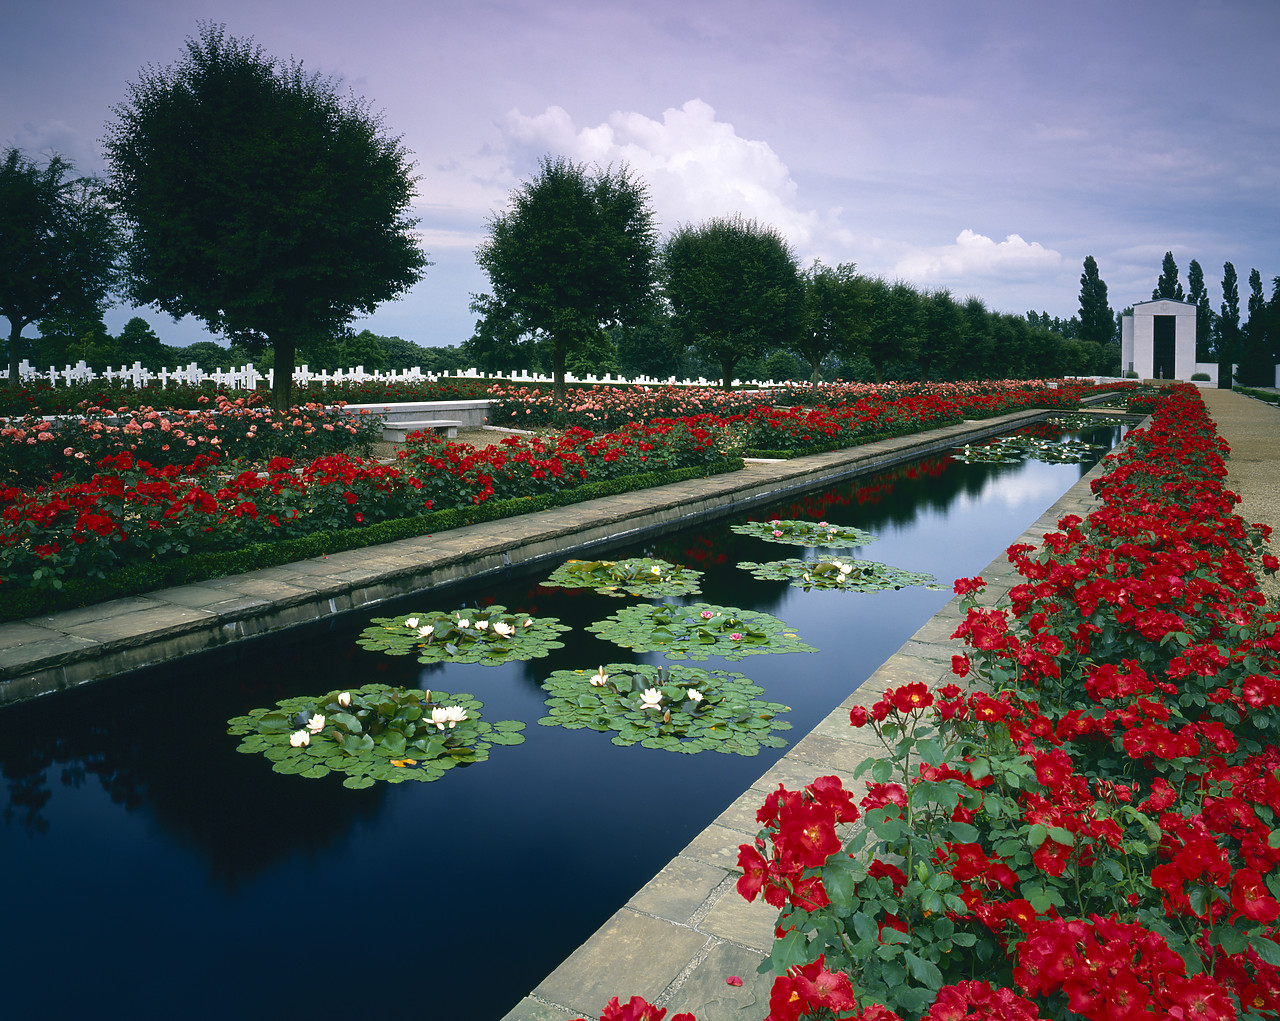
(44, 654)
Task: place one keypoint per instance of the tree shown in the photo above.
(896, 321)
(261, 201)
(1198, 294)
(1167, 286)
(734, 290)
(138, 343)
(834, 314)
(571, 257)
(1228, 325)
(1097, 321)
(1257, 362)
(59, 247)
(942, 341)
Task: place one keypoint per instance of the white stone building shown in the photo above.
(1158, 341)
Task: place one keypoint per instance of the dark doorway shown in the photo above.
(1165, 330)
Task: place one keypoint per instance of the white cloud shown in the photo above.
(975, 255)
(696, 166)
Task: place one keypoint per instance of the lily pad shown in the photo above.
(1021, 447)
(647, 577)
(490, 636)
(698, 631)
(839, 573)
(678, 709)
(373, 733)
(805, 533)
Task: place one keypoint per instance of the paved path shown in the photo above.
(1252, 428)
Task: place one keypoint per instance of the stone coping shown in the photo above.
(45, 654)
(687, 930)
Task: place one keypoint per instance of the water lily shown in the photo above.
(316, 723)
(300, 738)
(503, 629)
(481, 625)
(344, 699)
(426, 631)
(736, 636)
(464, 622)
(448, 716)
(528, 623)
(846, 568)
(707, 614)
(657, 571)
(598, 681)
(694, 695)
(651, 698)
(777, 534)
(411, 622)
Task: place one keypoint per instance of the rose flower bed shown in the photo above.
(135, 525)
(1090, 830)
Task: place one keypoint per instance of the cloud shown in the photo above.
(976, 256)
(696, 166)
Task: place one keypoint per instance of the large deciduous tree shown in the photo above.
(59, 247)
(261, 201)
(734, 290)
(571, 257)
(1097, 320)
(1168, 286)
(835, 319)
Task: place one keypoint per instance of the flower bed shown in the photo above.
(133, 512)
(33, 448)
(1091, 828)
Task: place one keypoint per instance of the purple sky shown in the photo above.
(985, 146)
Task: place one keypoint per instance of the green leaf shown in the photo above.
(924, 972)
(1267, 949)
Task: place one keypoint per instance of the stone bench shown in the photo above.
(395, 432)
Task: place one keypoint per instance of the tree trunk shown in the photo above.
(814, 382)
(285, 347)
(726, 373)
(558, 351)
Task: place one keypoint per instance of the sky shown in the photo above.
(983, 146)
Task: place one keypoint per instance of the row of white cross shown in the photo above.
(248, 378)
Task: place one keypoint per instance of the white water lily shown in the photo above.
(600, 678)
(481, 625)
(651, 698)
(464, 622)
(694, 695)
(426, 631)
(449, 716)
(316, 723)
(411, 622)
(344, 699)
(846, 568)
(528, 623)
(300, 739)
(502, 629)
(657, 571)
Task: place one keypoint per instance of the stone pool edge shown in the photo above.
(679, 938)
(53, 652)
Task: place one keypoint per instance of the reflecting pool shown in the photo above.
(174, 877)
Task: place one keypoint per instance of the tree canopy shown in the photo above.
(260, 200)
(1228, 333)
(571, 257)
(1168, 286)
(835, 318)
(59, 247)
(733, 288)
(1198, 294)
(1097, 321)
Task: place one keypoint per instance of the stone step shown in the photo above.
(395, 432)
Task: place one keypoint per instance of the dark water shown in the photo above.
(151, 871)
